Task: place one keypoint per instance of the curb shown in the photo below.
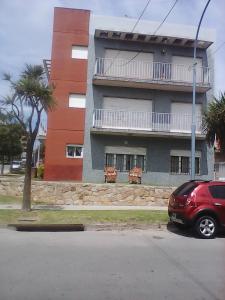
(47, 227)
(121, 227)
(82, 227)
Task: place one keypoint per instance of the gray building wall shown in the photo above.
(158, 149)
(161, 53)
(157, 158)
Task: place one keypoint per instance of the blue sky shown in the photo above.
(26, 27)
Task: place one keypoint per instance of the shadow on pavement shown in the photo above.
(183, 232)
(189, 232)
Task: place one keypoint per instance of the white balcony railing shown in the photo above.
(150, 71)
(147, 121)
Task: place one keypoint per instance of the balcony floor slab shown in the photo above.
(144, 133)
(149, 84)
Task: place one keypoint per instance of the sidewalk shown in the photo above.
(83, 207)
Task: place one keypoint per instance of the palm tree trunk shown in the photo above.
(26, 205)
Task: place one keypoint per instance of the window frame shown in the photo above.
(80, 98)
(79, 48)
(125, 161)
(75, 146)
(180, 157)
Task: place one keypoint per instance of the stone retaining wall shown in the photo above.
(89, 193)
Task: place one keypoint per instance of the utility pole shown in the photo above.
(193, 125)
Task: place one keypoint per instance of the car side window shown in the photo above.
(217, 191)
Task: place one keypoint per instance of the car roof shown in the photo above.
(210, 182)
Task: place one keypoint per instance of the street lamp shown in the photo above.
(193, 125)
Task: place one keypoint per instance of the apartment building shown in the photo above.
(124, 99)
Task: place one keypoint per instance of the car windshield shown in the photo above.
(185, 189)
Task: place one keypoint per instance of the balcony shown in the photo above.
(152, 75)
(142, 123)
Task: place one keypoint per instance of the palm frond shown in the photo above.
(33, 72)
(7, 76)
(214, 121)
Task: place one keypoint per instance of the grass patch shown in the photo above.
(10, 199)
(85, 217)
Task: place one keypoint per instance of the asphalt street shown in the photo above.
(139, 265)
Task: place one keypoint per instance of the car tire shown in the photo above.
(206, 227)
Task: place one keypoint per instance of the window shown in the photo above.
(185, 189)
(140, 161)
(182, 69)
(217, 191)
(181, 165)
(180, 118)
(125, 162)
(79, 52)
(174, 164)
(109, 160)
(120, 162)
(77, 100)
(120, 66)
(130, 162)
(184, 166)
(74, 151)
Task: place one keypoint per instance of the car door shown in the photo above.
(218, 200)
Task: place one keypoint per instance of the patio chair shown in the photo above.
(110, 174)
(135, 175)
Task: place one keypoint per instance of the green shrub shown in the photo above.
(40, 171)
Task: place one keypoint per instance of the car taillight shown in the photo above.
(190, 202)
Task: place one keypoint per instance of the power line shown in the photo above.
(154, 33)
(218, 48)
(167, 15)
(146, 6)
(135, 25)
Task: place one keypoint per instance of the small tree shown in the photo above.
(214, 122)
(10, 145)
(30, 96)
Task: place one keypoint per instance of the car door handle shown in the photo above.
(217, 204)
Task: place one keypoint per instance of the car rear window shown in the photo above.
(217, 191)
(185, 189)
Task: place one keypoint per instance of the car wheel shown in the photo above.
(206, 227)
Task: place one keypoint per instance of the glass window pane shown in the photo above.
(119, 162)
(140, 162)
(70, 151)
(78, 151)
(129, 162)
(109, 160)
(197, 165)
(184, 165)
(217, 191)
(174, 164)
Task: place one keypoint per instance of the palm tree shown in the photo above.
(31, 95)
(214, 122)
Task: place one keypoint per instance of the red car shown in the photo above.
(200, 204)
